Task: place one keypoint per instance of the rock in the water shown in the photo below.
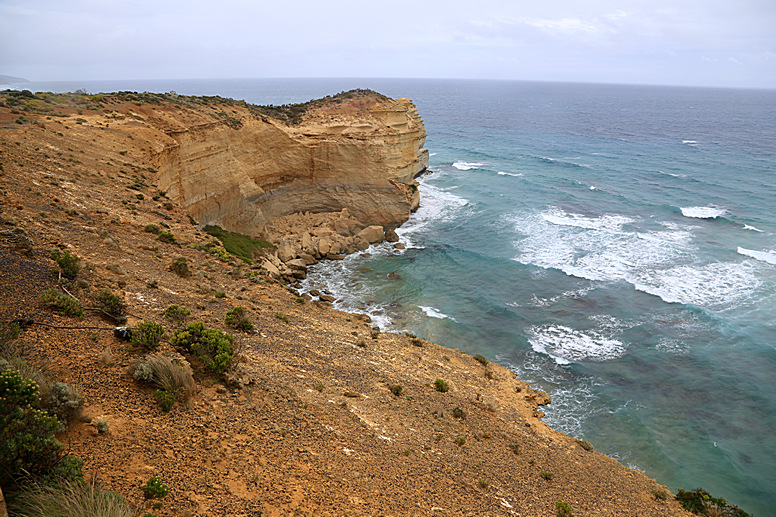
(372, 234)
(391, 236)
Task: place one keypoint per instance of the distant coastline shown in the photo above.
(9, 79)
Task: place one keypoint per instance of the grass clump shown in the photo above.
(238, 318)
(547, 475)
(460, 441)
(62, 303)
(281, 316)
(147, 334)
(212, 346)
(441, 386)
(152, 228)
(169, 374)
(239, 245)
(176, 314)
(75, 499)
(563, 508)
(109, 303)
(165, 399)
(484, 483)
(180, 266)
(68, 263)
(396, 389)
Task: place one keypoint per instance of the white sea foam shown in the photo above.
(467, 166)
(703, 212)
(566, 345)
(516, 175)
(436, 205)
(748, 227)
(717, 285)
(433, 313)
(605, 222)
(593, 188)
(764, 256)
(691, 143)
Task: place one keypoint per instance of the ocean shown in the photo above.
(612, 245)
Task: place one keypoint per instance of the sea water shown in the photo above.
(613, 245)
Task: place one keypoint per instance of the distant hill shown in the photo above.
(9, 79)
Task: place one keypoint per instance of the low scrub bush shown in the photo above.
(154, 488)
(165, 236)
(396, 389)
(147, 334)
(74, 499)
(28, 449)
(563, 508)
(238, 318)
(176, 314)
(180, 267)
(481, 359)
(62, 303)
(441, 386)
(152, 228)
(110, 303)
(701, 502)
(165, 399)
(212, 346)
(64, 402)
(67, 262)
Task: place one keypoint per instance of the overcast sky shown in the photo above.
(672, 42)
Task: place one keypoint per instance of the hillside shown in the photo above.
(320, 414)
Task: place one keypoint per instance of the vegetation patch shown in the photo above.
(239, 245)
(70, 498)
(176, 314)
(147, 334)
(563, 508)
(180, 266)
(441, 386)
(212, 346)
(67, 262)
(62, 303)
(238, 318)
(700, 502)
(109, 303)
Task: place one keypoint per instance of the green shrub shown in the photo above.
(441, 386)
(68, 262)
(281, 316)
(220, 294)
(396, 389)
(62, 303)
(176, 314)
(167, 237)
(238, 318)
(64, 402)
(546, 474)
(700, 502)
(481, 359)
(151, 228)
(180, 267)
(212, 346)
(165, 399)
(28, 448)
(564, 510)
(70, 498)
(458, 412)
(460, 441)
(147, 334)
(110, 303)
(484, 483)
(155, 489)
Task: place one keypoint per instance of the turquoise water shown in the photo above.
(613, 245)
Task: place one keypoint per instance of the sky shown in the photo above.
(722, 43)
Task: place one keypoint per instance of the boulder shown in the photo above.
(372, 234)
(308, 259)
(391, 236)
(286, 252)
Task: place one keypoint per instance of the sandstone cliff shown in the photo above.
(358, 150)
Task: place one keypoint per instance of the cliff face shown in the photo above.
(360, 153)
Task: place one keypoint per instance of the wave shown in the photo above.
(517, 175)
(433, 313)
(563, 163)
(752, 228)
(703, 212)
(436, 205)
(605, 222)
(466, 166)
(764, 256)
(661, 263)
(566, 345)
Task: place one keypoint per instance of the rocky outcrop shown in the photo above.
(359, 151)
